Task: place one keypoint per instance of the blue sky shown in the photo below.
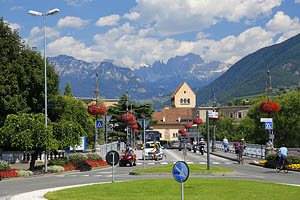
(137, 32)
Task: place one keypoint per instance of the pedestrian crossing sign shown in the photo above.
(99, 124)
(268, 126)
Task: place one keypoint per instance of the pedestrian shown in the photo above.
(225, 143)
(119, 144)
(283, 155)
(241, 149)
(236, 147)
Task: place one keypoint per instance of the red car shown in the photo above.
(127, 158)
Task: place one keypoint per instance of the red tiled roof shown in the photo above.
(172, 114)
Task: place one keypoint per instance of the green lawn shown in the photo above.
(169, 189)
(194, 168)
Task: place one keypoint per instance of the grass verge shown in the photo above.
(194, 168)
(169, 189)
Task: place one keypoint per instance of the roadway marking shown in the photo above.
(164, 163)
(139, 163)
(202, 163)
(151, 163)
(190, 162)
(216, 163)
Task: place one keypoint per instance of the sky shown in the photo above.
(139, 32)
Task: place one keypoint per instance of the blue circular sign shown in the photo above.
(181, 171)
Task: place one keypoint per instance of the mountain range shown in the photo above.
(147, 82)
(248, 76)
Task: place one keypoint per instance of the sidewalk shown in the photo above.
(233, 157)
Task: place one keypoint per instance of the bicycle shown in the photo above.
(240, 158)
(281, 166)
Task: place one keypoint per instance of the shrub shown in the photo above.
(69, 167)
(56, 168)
(58, 161)
(4, 166)
(24, 173)
(77, 157)
(94, 157)
(292, 158)
(82, 166)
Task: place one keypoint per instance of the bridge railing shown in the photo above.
(252, 150)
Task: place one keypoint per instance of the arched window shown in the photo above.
(184, 101)
(188, 101)
(181, 101)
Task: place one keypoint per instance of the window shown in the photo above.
(164, 119)
(184, 101)
(184, 92)
(188, 101)
(174, 134)
(231, 115)
(239, 115)
(181, 101)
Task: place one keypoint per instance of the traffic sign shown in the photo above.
(181, 171)
(99, 124)
(106, 118)
(112, 157)
(266, 119)
(213, 115)
(141, 122)
(268, 126)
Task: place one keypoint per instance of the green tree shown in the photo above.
(70, 110)
(22, 76)
(139, 111)
(68, 90)
(27, 132)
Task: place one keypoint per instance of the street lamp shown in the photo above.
(97, 92)
(36, 13)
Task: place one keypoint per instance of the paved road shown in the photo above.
(248, 172)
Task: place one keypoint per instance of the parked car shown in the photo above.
(188, 145)
(149, 151)
(174, 145)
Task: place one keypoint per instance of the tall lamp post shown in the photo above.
(36, 13)
(214, 127)
(97, 92)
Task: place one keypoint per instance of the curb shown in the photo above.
(229, 158)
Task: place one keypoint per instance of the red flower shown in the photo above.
(188, 125)
(269, 107)
(182, 131)
(134, 126)
(136, 131)
(9, 173)
(127, 117)
(97, 109)
(197, 121)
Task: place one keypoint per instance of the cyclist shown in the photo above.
(283, 155)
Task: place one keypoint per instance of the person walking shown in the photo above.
(225, 143)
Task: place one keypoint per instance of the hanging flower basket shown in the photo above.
(188, 125)
(97, 109)
(219, 116)
(136, 131)
(132, 122)
(182, 131)
(197, 121)
(269, 107)
(127, 117)
(134, 126)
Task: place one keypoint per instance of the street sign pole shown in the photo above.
(182, 191)
(144, 143)
(207, 128)
(113, 175)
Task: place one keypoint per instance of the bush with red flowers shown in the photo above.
(9, 173)
(269, 107)
(97, 163)
(134, 126)
(197, 121)
(69, 167)
(97, 109)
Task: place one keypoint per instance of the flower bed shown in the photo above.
(9, 173)
(96, 163)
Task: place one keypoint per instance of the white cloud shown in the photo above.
(202, 35)
(283, 24)
(111, 20)
(132, 16)
(14, 26)
(77, 2)
(16, 8)
(74, 22)
(72, 47)
(36, 35)
(178, 16)
(297, 1)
